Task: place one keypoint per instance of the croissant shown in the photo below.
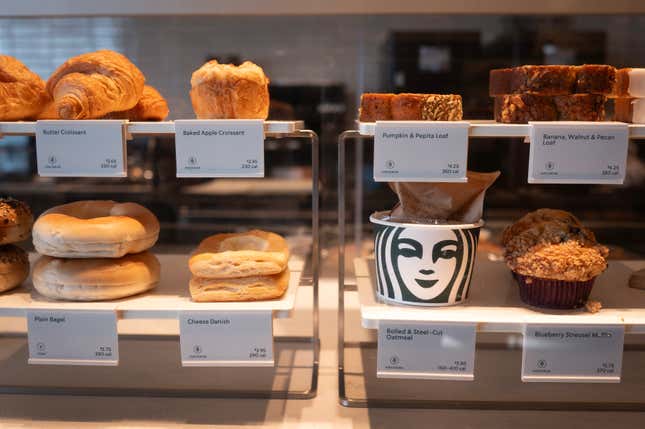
(22, 92)
(92, 85)
(151, 107)
(48, 111)
(224, 91)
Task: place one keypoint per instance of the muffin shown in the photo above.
(554, 259)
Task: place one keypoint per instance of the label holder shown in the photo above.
(569, 152)
(87, 148)
(574, 359)
(72, 337)
(421, 151)
(438, 351)
(226, 339)
(219, 148)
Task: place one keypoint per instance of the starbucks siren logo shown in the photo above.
(429, 267)
(52, 162)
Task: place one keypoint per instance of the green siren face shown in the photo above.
(425, 266)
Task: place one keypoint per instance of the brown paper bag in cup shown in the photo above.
(422, 202)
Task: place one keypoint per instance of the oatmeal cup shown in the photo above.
(424, 264)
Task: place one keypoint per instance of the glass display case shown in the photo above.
(357, 323)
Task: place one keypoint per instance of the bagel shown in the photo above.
(15, 221)
(95, 229)
(14, 266)
(95, 279)
(251, 253)
(255, 288)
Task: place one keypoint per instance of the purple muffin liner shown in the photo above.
(547, 293)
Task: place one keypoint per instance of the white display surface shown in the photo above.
(72, 337)
(219, 148)
(226, 338)
(420, 151)
(164, 302)
(487, 128)
(578, 152)
(568, 353)
(494, 302)
(430, 351)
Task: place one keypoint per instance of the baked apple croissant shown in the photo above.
(224, 91)
(92, 85)
(22, 92)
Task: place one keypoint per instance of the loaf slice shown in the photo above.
(543, 80)
(408, 107)
(440, 107)
(595, 79)
(553, 80)
(630, 110)
(375, 107)
(522, 108)
(580, 107)
(630, 83)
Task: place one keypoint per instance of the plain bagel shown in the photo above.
(14, 266)
(15, 221)
(95, 279)
(95, 229)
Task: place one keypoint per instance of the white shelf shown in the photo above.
(495, 305)
(163, 302)
(149, 128)
(483, 128)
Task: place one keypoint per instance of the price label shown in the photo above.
(573, 353)
(81, 148)
(226, 339)
(426, 351)
(219, 148)
(420, 151)
(72, 337)
(578, 152)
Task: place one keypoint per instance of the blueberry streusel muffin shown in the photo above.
(554, 258)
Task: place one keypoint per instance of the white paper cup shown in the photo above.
(424, 264)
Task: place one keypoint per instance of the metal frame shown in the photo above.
(313, 340)
(343, 287)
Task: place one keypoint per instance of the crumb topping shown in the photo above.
(569, 261)
(593, 306)
(553, 244)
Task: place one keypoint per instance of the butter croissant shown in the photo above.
(22, 92)
(151, 107)
(92, 85)
(224, 91)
